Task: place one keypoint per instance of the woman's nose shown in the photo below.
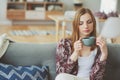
(86, 25)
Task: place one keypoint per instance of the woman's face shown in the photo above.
(85, 25)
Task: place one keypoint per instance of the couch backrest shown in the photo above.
(113, 63)
(31, 54)
(44, 54)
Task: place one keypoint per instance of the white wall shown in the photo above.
(67, 5)
(3, 19)
(94, 5)
(118, 6)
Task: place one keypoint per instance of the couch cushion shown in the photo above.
(10, 72)
(31, 54)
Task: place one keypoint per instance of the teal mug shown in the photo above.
(89, 41)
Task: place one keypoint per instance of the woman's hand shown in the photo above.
(100, 41)
(78, 45)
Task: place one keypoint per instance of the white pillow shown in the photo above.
(4, 42)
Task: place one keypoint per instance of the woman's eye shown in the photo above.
(81, 23)
(89, 21)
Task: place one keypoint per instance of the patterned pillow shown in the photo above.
(10, 72)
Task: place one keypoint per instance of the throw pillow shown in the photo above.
(10, 72)
(4, 42)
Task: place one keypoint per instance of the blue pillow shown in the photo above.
(10, 72)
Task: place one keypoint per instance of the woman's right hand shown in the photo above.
(78, 45)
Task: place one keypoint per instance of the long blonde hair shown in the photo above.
(75, 33)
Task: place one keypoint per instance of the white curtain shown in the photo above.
(108, 6)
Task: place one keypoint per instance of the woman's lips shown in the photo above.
(86, 30)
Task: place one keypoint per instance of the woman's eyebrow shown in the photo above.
(86, 20)
(90, 19)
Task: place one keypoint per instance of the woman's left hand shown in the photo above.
(100, 41)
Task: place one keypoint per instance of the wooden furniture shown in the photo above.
(59, 19)
(78, 6)
(35, 10)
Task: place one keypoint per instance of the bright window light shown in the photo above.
(108, 6)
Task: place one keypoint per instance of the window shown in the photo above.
(108, 6)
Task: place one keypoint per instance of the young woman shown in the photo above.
(75, 61)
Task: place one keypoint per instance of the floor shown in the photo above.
(31, 39)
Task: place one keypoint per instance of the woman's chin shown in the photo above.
(87, 34)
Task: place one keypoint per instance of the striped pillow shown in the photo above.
(10, 72)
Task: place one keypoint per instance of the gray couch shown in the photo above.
(44, 54)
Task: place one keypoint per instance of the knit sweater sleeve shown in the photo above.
(63, 62)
